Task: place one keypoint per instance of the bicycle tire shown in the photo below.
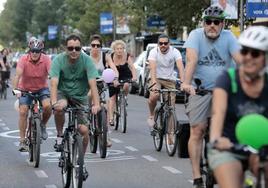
(36, 142)
(77, 162)
(171, 137)
(65, 159)
(158, 135)
(29, 139)
(102, 128)
(116, 113)
(4, 90)
(123, 115)
(93, 137)
(210, 180)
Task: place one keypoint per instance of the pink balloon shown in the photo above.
(108, 75)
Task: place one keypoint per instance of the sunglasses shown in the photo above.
(215, 22)
(72, 48)
(36, 51)
(95, 45)
(253, 52)
(163, 43)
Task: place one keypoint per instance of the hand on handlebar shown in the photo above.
(17, 93)
(223, 143)
(188, 88)
(95, 109)
(134, 79)
(115, 83)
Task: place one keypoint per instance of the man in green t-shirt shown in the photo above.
(72, 75)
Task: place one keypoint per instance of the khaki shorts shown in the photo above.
(167, 84)
(198, 108)
(217, 158)
(82, 116)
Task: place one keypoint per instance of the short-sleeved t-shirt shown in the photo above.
(213, 56)
(240, 104)
(73, 78)
(34, 75)
(165, 62)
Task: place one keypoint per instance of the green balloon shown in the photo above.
(252, 130)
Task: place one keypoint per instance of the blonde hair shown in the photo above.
(116, 43)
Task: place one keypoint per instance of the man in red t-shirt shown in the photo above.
(32, 75)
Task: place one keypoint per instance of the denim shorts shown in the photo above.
(27, 100)
(217, 158)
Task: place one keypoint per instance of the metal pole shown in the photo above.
(241, 15)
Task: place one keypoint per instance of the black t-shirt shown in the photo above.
(240, 104)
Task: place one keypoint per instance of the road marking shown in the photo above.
(172, 170)
(99, 160)
(24, 153)
(131, 148)
(5, 128)
(115, 140)
(1, 120)
(41, 174)
(2, 124)
(191, 181)
(149, 158)
(50, 186)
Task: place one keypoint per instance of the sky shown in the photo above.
(2, 4)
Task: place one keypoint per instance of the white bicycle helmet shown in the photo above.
(36, 44)
(255, 37)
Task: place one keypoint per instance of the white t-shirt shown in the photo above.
(165, 62)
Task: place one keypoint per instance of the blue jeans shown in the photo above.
(27, 100)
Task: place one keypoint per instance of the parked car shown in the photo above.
(180, 95)
(139, 65)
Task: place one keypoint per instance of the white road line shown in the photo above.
(98, 160)
(115, 140)
(1, 120)
(2, 124)
(149, 158)
(41, 174)
(172, 170)
(5, 128)
(24, 153)
(50, 186)
(191, 181)
(131, 148)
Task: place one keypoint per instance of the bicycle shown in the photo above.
(120, 113)
(4, 84)
(33, 133)
(71, 159)
(165, 123)
(98, 124)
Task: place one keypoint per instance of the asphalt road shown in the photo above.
(132, 161)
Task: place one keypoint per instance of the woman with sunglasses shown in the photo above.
(101, 62)
(124, 64)
(32, 75)
(230, 105)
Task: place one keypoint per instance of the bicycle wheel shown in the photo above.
(158, 129)
(4, 90)
(77, 162)
(117, 113)
(65, 162)
(123, 115)
(35, 142)
(93, 137)
(171, 138)
(210, 180)
(102, 130)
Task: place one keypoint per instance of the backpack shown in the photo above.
(231, 73)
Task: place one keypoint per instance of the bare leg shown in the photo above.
(195, 145)
(23, 121)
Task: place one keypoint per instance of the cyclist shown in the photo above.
(72, 74)
(162, 60)
(209, 50)
(101, 62)
(124, 64)
(228, 107)
(32, 75)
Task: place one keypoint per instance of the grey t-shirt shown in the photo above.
(213, 56)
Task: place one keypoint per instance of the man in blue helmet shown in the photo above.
(209, 50)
